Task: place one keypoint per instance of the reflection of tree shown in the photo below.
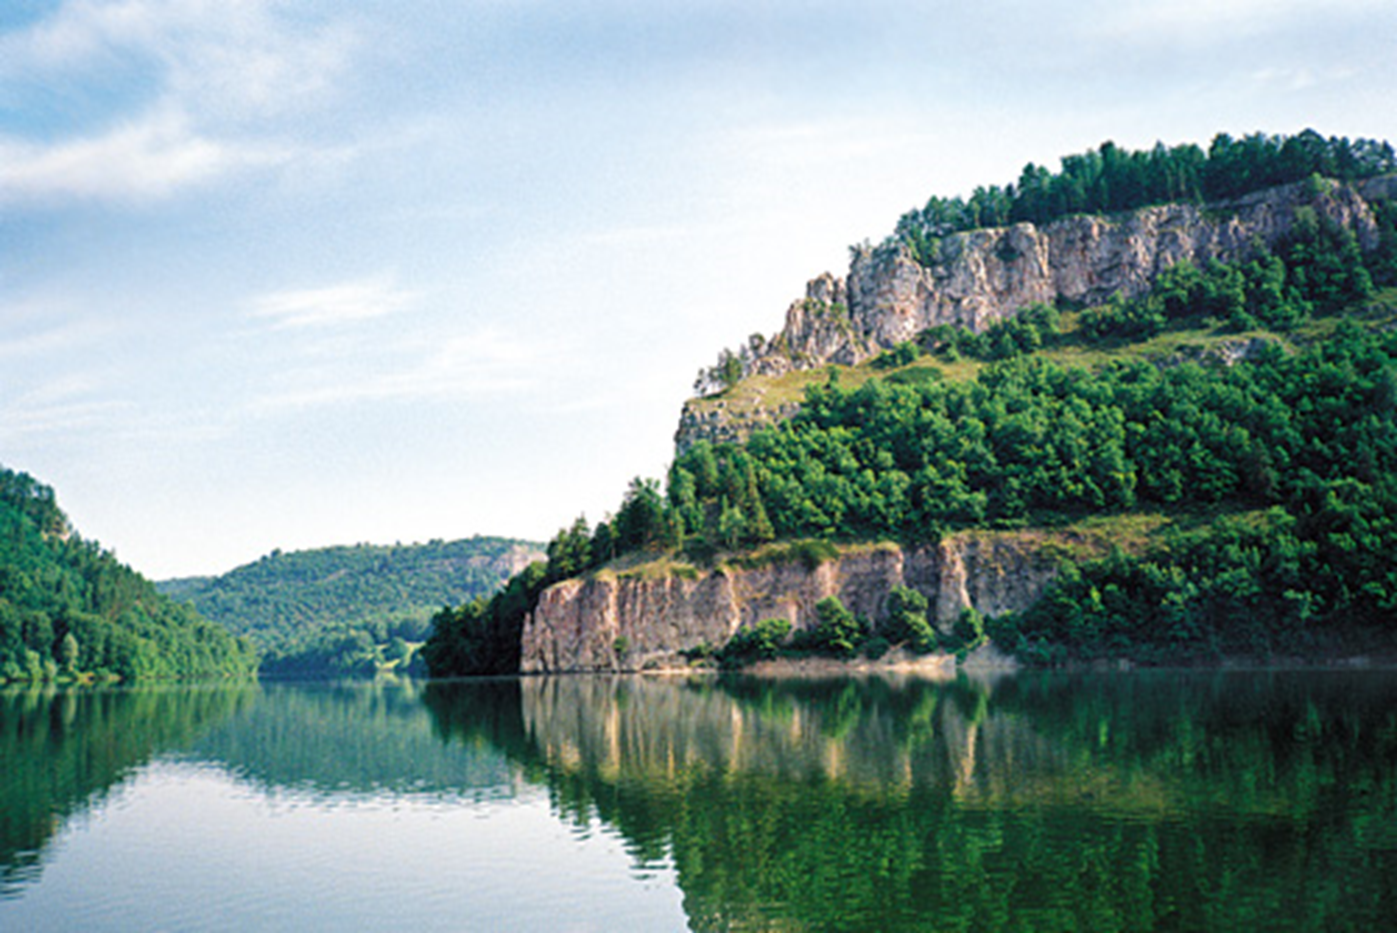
(354, 737)
(480, 713)
(1039, 802)
(61, 752)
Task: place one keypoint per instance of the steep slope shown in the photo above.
(614, 621)
(981, 277)
(69, 610)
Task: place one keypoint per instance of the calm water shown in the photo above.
(1144, 801)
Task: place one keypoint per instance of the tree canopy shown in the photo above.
(353, 609)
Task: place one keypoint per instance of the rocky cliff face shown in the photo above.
(612, 622)
(983, 276)
(718, 424)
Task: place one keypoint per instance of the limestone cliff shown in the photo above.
(614, 622)
(983, 276)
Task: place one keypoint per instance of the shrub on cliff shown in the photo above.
(760, 642)
(1111, 179)
(906, 621)
(837, 634)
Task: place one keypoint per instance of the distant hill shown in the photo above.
(350, 609)
(70, 611)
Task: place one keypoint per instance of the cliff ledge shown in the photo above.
(642, 618)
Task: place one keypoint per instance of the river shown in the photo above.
(1146, 800)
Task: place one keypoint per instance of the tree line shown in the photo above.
(1110, 179)
(349, 610)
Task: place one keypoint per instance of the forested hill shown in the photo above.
(1247, 404)
(69, 610)
(350, 609)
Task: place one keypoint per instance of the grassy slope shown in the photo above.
(762, 393)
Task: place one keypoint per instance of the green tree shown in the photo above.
(838, 632)
(642, 521)
(906, 621)
(761, 641)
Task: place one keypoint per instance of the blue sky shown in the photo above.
(293, 274)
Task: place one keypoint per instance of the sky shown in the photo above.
(305, 273)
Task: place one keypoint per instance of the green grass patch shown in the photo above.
(1092, 537)
(656, 568)
(809, 553)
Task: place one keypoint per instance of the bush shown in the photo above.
(905, 353)
(906, 621)
(838, 632)
(968, 633)
(760, 642)
(875, 648)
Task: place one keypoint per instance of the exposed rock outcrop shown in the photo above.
(992, 573)
(717, 424)
(984, 276)
(614, 622)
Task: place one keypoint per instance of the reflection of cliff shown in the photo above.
(864, 734)
(62, 752)
(1149, 802)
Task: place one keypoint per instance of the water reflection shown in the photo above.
(1141, 801)
(62, 752)
(1134, 801)
(65, 753)
(352, 739)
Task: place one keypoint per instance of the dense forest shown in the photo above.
(349, 610)
(1291, 452)
(69, 610)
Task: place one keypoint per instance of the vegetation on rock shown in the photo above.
(1110, 179)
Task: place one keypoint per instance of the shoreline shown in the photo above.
(989, 660)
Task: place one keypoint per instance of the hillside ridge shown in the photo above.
(341, 609)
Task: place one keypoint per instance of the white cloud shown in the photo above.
(415, 367)
(60, 406)
(201, 85)
(344, 303)
(43, 327)
(238, 54)
(152, 158)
